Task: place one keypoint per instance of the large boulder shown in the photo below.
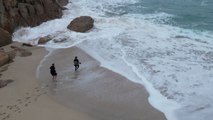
(81, 24)
(44, 40)
(5, 37)
(4, 58)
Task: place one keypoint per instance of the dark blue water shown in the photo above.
(189, 14)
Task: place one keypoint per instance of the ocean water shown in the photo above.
(165, 45)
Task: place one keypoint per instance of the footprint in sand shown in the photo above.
(8, 116)
(27, 98)
(18, 100)
(13, 108)
(26, 105)
(2, 113)
(39, 95)
(37, 90)
(21, 103)
(16, 109)
(9, 107)
(35, 99)
(5, 116)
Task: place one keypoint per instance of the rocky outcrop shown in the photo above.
(16, 13)
(4, 83)
(81, 24)
(4, 58)
(5, 37)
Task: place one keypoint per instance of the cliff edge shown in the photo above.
(17, 13)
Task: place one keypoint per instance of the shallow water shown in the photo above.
(164, 45)
(101, 93)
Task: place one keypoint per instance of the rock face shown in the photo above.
(5, 37)
(81, 24)
(16, 13)
(62, 2)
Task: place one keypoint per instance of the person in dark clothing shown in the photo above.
(76, 63)
(53, 71)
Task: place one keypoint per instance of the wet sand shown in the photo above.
(94, 90)
(24, 99)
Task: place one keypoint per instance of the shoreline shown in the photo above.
(24, 99)
(92, 93)
(94, 90)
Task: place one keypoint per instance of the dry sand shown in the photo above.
(99, 92)
(91, 93)
(24, 99)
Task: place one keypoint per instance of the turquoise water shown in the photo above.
(190, 14)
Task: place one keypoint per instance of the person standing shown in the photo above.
(53, 72)
(76, 63)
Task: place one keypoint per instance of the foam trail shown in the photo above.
(155, 95)
(156, 99)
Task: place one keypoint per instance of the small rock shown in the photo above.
(4, 58)
(27, 44)
(44, 40)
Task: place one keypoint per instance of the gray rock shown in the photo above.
(81, 24)
(44, 40)
(5, 37)
(4, 58)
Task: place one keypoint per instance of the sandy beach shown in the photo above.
(24, 99)
(91, 93)
(94, 90)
